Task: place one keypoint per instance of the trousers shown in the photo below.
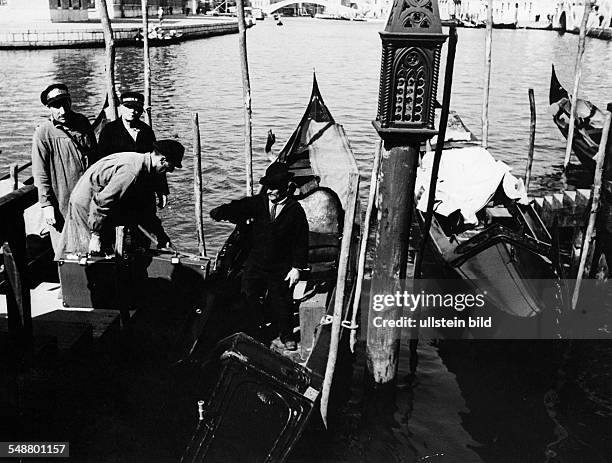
(256, 284)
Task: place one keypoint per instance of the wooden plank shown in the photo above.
(104, 323)
(71, 337)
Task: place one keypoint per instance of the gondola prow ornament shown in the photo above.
(411, 48)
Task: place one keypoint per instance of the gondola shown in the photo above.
(507, 256)
(319, 156)
(588, 126)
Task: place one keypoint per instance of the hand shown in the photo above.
(162, 201)
(49, 214)
(293, 276)
(95, 245)
(167, 245)
(215, 214)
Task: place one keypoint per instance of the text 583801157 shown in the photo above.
(34, 449)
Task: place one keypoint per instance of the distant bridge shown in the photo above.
(330, 6)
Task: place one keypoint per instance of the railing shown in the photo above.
(13, 241)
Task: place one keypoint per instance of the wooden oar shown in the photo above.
(345, 251)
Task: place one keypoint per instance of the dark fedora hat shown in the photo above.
(132, 100)
(53, 93)
(277, 175)
(172, 150)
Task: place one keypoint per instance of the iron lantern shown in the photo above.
(411, 47)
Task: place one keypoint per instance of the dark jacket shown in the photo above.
(115, 138)
(276, 245)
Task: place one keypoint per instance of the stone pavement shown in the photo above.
(89, 34)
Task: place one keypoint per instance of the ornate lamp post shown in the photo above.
(411, 47)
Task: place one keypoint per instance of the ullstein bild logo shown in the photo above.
(412, 301)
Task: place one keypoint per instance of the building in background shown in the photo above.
(25, 11)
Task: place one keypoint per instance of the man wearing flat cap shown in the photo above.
(129, 133)
(115, 191)
(279, 248)
(62, 149)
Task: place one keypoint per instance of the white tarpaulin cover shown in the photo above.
(467, 180)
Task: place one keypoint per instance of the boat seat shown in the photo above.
(325, 215)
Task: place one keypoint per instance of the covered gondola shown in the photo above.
(588, 126)
(504, 251)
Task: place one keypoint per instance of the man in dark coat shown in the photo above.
(129, 134)
(62, 148)
(279, 248)
(116, 190)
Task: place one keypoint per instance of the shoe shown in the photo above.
(291, 345)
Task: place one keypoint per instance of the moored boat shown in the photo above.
(490, 239)
(319, 156)
(588, 126)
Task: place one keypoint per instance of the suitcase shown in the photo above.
(258, 408)
(94, 282)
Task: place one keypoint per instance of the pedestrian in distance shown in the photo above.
(63, 147)
(279, 251)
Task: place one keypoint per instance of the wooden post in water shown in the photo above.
(109, 41)
(487, 75)
(339, 302)
(14, 174)
(364, 244)
(585, 255)
(532, 130)
(410, 64)
(147, 62)
(197, 185)
(246, 93)
(578, 75)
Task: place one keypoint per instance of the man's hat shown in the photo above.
(54, 92)
(172, 150)
(277, 175)
(132, 100)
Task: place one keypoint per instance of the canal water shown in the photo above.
(514, 402)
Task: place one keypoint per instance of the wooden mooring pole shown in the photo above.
(246, 93)
(14, 174)
(403, 128)
(109, 42)
(147, 62)
(532, 130)
(197, 185)
(586, 254)
(577, 77)
(487, 75)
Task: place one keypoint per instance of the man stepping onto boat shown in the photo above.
(115, 191)
(279, 249)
